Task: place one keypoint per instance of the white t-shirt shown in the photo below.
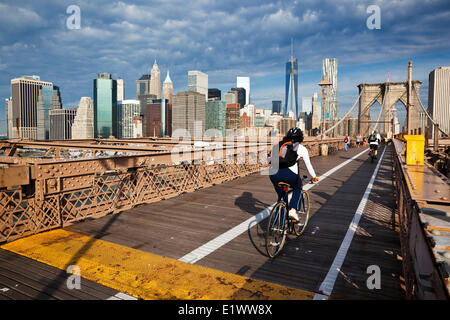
(303, 153)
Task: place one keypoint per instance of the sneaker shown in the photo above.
(293, 214)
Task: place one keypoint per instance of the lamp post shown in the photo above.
(324, 94)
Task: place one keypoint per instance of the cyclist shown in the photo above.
(290, 175)
(374, 141)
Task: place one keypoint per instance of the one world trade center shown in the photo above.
(291, 86)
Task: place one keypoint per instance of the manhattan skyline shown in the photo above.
(223, 40)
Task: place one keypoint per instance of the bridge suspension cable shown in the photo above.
(349, 111)
(429, 117)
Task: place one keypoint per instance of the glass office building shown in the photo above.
(215, 116)
(291, 93)
(126, 111)
(105, 106)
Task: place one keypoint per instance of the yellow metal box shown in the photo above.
(415, 149)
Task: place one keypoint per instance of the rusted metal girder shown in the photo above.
(61, 191)
(422, 208)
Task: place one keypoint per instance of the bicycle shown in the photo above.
(280, 223)
(372, 154)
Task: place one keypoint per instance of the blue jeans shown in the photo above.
(346, 146)
(287, 176)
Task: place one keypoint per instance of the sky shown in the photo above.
(224, 39)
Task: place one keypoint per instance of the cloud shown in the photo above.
(222, 38)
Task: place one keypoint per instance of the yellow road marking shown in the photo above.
(142, 274)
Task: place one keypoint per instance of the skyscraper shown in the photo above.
(155, 81)
(198, 82)
(61, 121)
(143, 85)
(232, 116)
(105, 106)
(330, 69)
(83, 124)
(291, 88)
(214, 93)
(168, 88)
(120, 89)
(215, 116)
(241, 96)
(31, 101)
(9, 119)
(126, 111)
(188, 113)
(154, 119)
(439, 97)
(276, 106)
(244, 82)
(230, 97)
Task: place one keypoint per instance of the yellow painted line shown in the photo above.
(142, 274)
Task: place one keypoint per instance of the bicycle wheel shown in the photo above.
(276, 230)
(303, 215)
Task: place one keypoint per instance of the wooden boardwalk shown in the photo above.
(175, 227)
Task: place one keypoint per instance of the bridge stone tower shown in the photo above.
(387, 94)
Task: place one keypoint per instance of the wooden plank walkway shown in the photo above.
(22, 278)
(174, 227)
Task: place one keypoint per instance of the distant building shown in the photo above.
(285, 124)
(231, 97)
(439, 98)
(153, 119)
(260, 121)
(105, 106)
(291, 86)
(144, 100)
(214, 93)
(198, 82)
(276, 106)
(31, 101)
(61, 121)
(120, 89)
(168, 88)
(244, 82)
(303, 116)
(241, 96)
(126, 111)
(315, 124)
(232, 116)
(9, 118)
(244, 121)
(155, 81)
(216, 118)
(83, 124)
(188, 113)
(251, 113)
(330, 70)
(137, 126)
(143, 85)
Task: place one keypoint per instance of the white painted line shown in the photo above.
(121, 296)
(226, 237)
(326, 287)
(4, 289)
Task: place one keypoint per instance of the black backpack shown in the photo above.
(290, 158)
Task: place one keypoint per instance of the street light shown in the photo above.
(324, 94)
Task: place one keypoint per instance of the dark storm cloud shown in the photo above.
(222, 38)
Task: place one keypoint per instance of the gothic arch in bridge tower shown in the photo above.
(387, 94)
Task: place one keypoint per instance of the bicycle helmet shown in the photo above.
(295, 134)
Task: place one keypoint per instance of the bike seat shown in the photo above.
(284, 184)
